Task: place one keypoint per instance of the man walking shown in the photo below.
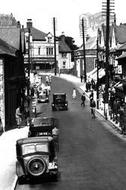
(83, 98)
(92, 107)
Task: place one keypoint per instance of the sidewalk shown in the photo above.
(8, 157)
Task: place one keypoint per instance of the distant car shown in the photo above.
(42, 126)
(36, 159)
(43, 97)
(59, 102)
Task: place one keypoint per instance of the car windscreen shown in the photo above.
(33, 148)
(59, 98)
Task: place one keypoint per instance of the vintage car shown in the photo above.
(59, 102)
(43, 96)
(42, 126)
(36, 159)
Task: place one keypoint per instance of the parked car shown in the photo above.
(43, 97)
(36, 159)
(42, 126)
(59, 102)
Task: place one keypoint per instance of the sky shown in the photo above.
(66, 12)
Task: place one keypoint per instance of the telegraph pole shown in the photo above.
(107, 51)
(29, 25)
(55, 62)
(106, 7)
(97, 76)
(85, 76)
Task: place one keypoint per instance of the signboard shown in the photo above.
(2, 95)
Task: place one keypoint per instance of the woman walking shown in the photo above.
(74, 94)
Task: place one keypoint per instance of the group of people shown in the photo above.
(90, 85)
(83, 99)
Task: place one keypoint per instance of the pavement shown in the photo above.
(8, 139)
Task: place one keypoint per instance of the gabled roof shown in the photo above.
(11, 35)
(63, 47)
(37, 35)
(90, 43)
(5, 48)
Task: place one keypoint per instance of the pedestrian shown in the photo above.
(27, 115)
(121, 119)
(92, 107)
(74, 94)
(91, 94)
(55, 134)
(83, 98)
(18, 116)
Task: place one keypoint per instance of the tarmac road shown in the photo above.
(90, 157)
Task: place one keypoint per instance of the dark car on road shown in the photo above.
(36, 159)
(42, 126)
(59, 102)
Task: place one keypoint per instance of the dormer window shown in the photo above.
(64, 55)
(49, 38)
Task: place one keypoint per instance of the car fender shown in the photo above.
(19, 169)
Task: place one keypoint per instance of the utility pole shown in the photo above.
(97, 75)
(85, 76)
(29, 25)
(107, 52)
(106, 7)
(55, 62)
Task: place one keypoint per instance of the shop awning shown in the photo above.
(93, 75)
(119, 86)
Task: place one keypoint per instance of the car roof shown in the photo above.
(43, 121)
(29, 140)
(58, 93)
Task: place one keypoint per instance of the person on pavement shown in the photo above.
(92, 107)
(18, 116)
(74, 94)
(83, 98)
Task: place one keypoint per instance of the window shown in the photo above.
(49, 51)
(64, 55)
(49, 39)
(39, 50)
(64, 64)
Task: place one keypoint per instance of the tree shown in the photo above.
(70, 42)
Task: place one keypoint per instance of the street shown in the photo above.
(90, 157)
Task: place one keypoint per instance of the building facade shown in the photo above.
(12, 80)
